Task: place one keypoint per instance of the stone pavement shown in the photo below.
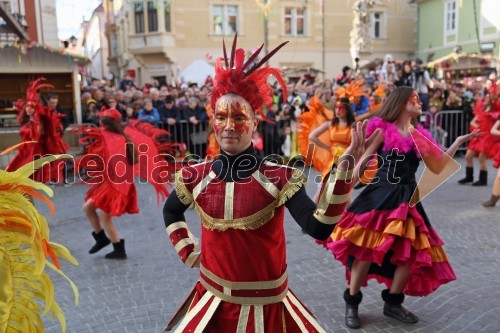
(141, 294)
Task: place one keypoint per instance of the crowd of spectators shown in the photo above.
(181, 109)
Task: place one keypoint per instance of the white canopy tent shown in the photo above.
(197, 72)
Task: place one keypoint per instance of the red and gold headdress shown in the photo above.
(110, 113)
(31, 97)
(250, 83)
(351, 90)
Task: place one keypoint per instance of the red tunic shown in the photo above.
(29, 152)
(243, 241)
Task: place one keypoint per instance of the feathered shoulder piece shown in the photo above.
(25, 250)
(32, 97)
(352, 90)
(420, 141)
(234, 75)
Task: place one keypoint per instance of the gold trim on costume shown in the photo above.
(251, 222)
(258, 313)
(245, 300)
(294, 315)
(204, 182)
(191, 259)
(194, 311)
(344, 175)
(208, 315)
(257, 285)
(176, 226)
(185, 242)
(292, 186)
(305, 313)
(327, 219)
(229, 201)
(266, 183)
(243, 319)
(339, 199)
(181, 190)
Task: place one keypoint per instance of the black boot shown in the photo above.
(119, 251)
(483, 178)
(101, 241)
(394, 309)
(469, 176)
(351, 309)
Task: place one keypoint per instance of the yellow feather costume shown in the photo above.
(25, 247)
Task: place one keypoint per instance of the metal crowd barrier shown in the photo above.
(447, 125)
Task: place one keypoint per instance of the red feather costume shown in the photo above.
(113, 190)
(45, 130)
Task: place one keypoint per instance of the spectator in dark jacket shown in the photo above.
(68, 115)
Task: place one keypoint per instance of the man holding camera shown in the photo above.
(421, 81)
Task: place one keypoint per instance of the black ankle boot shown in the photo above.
(469, 176)
(394, 309)
(351, 309)
(101, 241)
(119, 251)
(483, 178)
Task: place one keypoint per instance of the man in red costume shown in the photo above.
(240, 200)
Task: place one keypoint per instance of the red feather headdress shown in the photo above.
(31, 97)
(250, 83)
(111, 113)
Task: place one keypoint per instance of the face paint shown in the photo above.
(232, 113)
(340, 110)
(414, 99)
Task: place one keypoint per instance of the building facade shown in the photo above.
(449, 26)
(156, 39)
(39, 18)
(95, 44)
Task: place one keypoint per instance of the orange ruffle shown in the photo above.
(372, 239)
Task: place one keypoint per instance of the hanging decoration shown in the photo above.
(265, 6)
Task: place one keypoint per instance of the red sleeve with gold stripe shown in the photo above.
(334, 197)
(184, 242)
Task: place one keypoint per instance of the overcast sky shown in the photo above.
(70, 14)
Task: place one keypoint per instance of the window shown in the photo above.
(451, 14)
(295, 21)
(168, 24)
(376, 24)
(225, 19)
(152, 16)
(139, 17)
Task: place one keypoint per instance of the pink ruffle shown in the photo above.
(394, 140)
(426, 275)
(422, 282)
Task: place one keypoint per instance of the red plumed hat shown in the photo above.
(32, 97)
(236, 76)
(111, 113)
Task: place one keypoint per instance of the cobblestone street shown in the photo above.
(142, 293)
